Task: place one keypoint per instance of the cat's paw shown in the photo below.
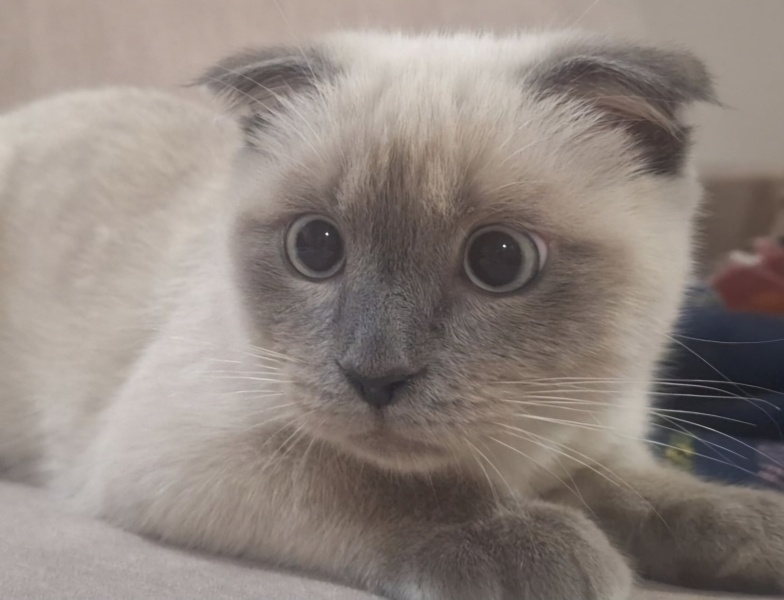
(543, 553)
(732, 540)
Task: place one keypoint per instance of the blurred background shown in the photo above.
(728, 350)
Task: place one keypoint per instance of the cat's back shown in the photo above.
(98, 188)
(101, 192)
(117, 143)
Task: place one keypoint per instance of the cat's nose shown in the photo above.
(379, 392)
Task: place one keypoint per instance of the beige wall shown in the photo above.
(741, 147)
(743, 42)
(51, 45)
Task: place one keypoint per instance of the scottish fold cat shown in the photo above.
(392, 318)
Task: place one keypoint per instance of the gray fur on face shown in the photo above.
(404, 304)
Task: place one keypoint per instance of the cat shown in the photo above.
(392, 318)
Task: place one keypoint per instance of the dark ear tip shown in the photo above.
(697, 81)
(708, 84)
(590, 60)
(215, 78)
(640, 87)
(195, 82)
(266, 79)
(678, 70)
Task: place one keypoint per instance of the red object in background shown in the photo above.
(754, 282)
(772, 253)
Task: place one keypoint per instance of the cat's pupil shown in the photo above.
(495, 258)
(319, 246)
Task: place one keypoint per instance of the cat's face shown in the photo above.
(444, 249)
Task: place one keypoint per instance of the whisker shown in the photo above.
(259, 393)
(517, 431)
(711, 396)
(584, 14)
(559, 402)
(492, 465)
(725, 394)
(266, 354)
(264, 362)
(705, 456)
(298, 434)
(250, 428)
(268, 408)
(695, 383)
(614, 431)
(682, 430)
(490, 483)
(727, 379)
(660, 411)
(574, 490)
(722, 433)
(274, 455)
(260, 372)
(249, 378)
(293, 37)
(304, 458)
(259, 352)
(555, 405)
(578, 424)
(727, 342)
(520, 433)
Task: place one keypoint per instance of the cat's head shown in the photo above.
(452, 236)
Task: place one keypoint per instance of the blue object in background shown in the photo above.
(729, 367)
(733, 460)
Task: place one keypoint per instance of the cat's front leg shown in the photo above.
(539, 552)
(685, 531)
(303, 505)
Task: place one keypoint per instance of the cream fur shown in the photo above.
(119, 298)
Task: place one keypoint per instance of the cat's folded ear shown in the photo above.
(640, 89)
(258, 83)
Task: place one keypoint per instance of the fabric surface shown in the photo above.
(48, 554)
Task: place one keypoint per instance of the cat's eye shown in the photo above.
(314, 247)
(500, 259)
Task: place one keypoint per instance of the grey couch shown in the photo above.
(48, 554)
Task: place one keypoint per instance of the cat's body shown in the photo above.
(93, 266)
(163, 365)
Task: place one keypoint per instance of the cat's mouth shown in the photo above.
(393, 450)
(383, 440)
(386, 445)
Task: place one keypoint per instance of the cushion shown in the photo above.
(48, 553)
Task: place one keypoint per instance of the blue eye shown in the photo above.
(500, 259)
(314, 247)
